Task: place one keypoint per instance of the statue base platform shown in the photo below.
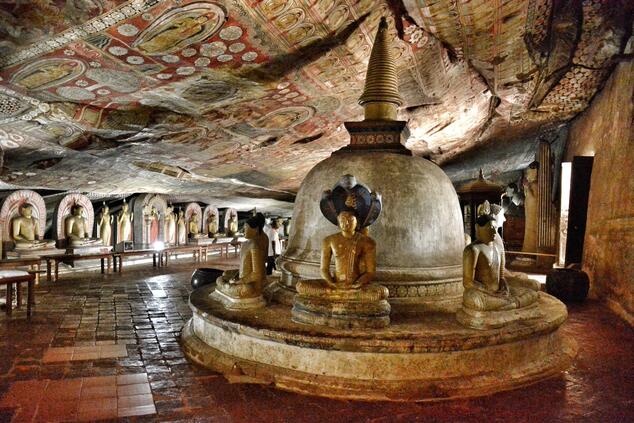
(423, 357)
(524, 262)
(96, 249)
(344, 309)
(28, 253)
(496, 319)
(200, 241)
(231, 303)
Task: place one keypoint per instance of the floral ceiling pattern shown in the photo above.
(241, 98)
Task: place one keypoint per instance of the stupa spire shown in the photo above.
(380, 97)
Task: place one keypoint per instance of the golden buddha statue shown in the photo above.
(212, 225)
(104, 225)
(242, 289)
(346, 299)
(25, 231)
(76, 229)
(170, 226)
(194, 228)
(181, 228)
(124, 224)
(487, 296)
(232, 225)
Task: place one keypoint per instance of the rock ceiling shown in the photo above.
(241, 98)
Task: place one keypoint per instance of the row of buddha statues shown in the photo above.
(349, 298)
(23, 221)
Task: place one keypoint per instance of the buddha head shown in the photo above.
(124, 207)
(78, 211)
(254, 226)
(26, 210)
(498, 214)
(485, 228)
(347, 222)
(531, 172)
(105, 210)
(169, 210)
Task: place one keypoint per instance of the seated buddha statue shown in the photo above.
(212, 225)
(487, 294)
(76, 229)
(25, 231)
(347, 298)
(517, 279)
(242, 288)
(194, 228)
(232, 225)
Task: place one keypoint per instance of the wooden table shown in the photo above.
(118, 256)
(32, 262)
(196, 251)
(17, 277)
(55, 259)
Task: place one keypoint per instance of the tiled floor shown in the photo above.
(106, 347)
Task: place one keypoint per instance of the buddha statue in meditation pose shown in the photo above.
(242, 288)
(25, 231)
(77, 231)
(194, 228)
(487, 296)
(212, 224)
(517, 279)
(347, 298)
(232, 225)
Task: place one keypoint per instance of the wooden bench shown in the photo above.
(10, 277)
(54, 260)
(118, 257)
(196, 251)
(33, 263)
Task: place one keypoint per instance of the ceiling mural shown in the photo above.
(242, 98)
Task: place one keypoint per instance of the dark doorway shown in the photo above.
(581, 173)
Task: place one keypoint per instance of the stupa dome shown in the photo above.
(419, 233)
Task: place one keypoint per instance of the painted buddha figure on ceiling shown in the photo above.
(76, 229)
(177, 31)
(347, 298)
(25, 231)
(242, 289)
(488, 297)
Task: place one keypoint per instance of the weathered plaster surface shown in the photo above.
(605, 131)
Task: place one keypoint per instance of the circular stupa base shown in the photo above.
(417, 358)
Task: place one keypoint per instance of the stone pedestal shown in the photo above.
(418, 357)
(236, 303)
(344, 309)
(200, 241)
(97, 249)
(17, 253)
(496, 319)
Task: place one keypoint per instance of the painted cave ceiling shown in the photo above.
(240, 98)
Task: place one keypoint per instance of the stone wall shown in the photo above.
(605, 131)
